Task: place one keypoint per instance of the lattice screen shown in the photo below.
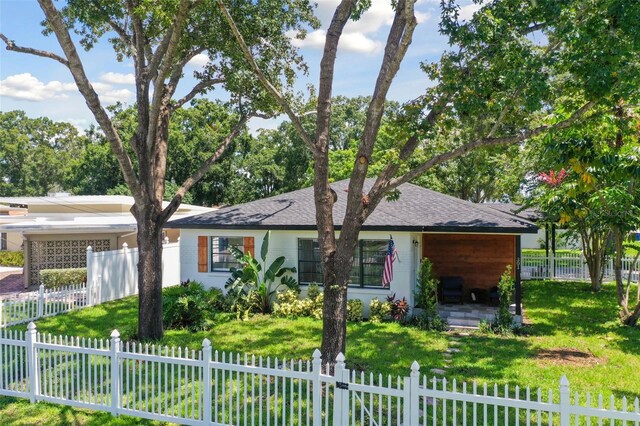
(61, 254)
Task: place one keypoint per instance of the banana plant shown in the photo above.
(255, 283)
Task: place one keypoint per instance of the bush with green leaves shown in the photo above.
(427, 299)
(52, 278)
(379, 310)
(503, 321)
(289, 305)
(253, 287)
(399, 308)
(190, 306)
(354, 310)
(12, 258)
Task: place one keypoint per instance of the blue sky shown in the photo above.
(42, 87)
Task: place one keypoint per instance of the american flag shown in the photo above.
(387, 275)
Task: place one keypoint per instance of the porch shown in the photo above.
(469, 267)
(469, 315)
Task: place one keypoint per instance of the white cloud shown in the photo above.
(110, 95)
(29, 88)
(118, 78)
(359, 36)
(358, 42)
(467, 12)
(422, 17)
(200, 60)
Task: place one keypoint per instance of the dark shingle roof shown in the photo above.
(418, 209)
(528, 213)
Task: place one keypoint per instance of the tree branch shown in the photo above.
(166, 61)
(91, 97)
(398, 41)
(198, 88)
(203, 169)
(295, 120)
(37, 52)
(490, 141)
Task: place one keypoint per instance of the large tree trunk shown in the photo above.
(594, 246)
(149, 277)
(632, 318)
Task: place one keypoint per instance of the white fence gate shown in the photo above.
(570, 267)
(113, 274)
(210, 388)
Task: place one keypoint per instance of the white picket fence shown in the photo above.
(569, 267)
(204, 387)
(26, 307)
(113, 274)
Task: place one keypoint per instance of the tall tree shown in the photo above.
(497, 76)
(35, 154)
(161, 37)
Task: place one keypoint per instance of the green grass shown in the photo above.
(563, 315)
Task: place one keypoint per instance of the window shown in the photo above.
(221, 257)
(3, 241)
(368, 262)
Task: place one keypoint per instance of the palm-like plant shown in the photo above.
(255, 284)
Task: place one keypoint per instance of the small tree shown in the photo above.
(427, 298)
(503, 322)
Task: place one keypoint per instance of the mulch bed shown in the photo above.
(568, 356)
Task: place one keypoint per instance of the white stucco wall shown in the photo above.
(285, 243)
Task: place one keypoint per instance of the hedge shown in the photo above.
(11, 258)
(59, 277)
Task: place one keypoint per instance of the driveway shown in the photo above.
(11, 281)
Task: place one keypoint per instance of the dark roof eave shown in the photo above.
(449, 229)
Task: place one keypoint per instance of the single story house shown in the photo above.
(55, 230)
(463, 239)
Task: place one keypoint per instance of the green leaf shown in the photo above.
(270, 274)
(265, 247)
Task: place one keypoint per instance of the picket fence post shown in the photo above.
(90, 284)
(565, 402)
(414, 399)
(32, 363)
(316, 404)
(206, 380)
(115, 372)
(1, 311)
(341, 392)
(40, 301)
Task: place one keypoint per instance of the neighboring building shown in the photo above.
(461, 238)
(56, 230)
(11, 241)
(545, 236)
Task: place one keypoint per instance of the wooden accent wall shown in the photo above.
(479, 259)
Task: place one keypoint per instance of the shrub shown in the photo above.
(190, 306)
(427, 299)
(354, 310)
(379, 311)
(288, 305)
(399, 308)
(503, 322)
(11, 258)
(52, 278)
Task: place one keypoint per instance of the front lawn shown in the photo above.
(566, 317)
